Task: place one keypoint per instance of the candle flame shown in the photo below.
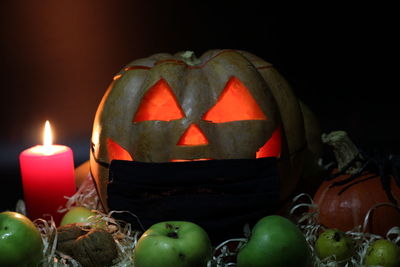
(47, 137)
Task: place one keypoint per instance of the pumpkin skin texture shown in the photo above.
(348, 210)
(168, 108)
(312, 130)
(312, 173)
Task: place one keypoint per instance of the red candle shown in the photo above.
(47, 177)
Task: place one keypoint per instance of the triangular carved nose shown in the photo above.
(193, 136)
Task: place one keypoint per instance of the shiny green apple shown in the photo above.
(333, 242)
(275, 241)
(383, 253)
(173, 244)
(77, 215)
(21, 244)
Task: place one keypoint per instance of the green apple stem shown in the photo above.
(172, 231)
(337, 236)
(173, 235)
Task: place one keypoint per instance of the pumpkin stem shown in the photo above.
(346, 152)
(190, 58)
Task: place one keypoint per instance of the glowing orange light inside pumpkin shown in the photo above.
(193, 136)
(159, 104)
(235, 103)
(117, 152)
(272, 148)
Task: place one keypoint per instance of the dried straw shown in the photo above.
(126, 237)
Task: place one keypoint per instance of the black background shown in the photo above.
(58, 57)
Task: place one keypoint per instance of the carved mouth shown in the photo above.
(185, 160)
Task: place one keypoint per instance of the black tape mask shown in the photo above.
(219, 195)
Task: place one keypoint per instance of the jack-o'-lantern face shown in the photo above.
(168, 109)
(235, 103)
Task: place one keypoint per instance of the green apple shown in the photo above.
(77, 215)
(384, 253)
(173, 244)
(275, 241)
(20, 241)
(333, 242)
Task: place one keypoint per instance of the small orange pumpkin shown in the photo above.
(345, 206)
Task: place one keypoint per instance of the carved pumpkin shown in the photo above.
(345, 206)
(227, 104)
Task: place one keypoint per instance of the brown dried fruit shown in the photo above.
(66, 235)
(92, 248)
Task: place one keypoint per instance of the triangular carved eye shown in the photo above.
(159, 104)
(116, 151)
(234, 104)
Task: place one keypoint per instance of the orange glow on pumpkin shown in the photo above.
(193, 136)
(116, 151)
(159, 104)
(272, 148)
(234, 104)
